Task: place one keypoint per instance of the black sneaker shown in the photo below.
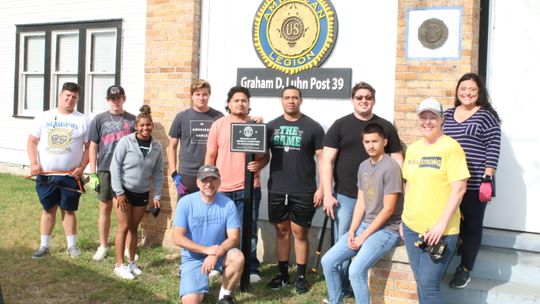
(301, 284)
(461, 278)
(278, 283)
(40, 252)
(227, 300)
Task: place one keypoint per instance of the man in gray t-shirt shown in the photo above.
(375, 222)
(190, 128)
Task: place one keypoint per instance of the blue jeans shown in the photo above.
(374, 248)
(428, 274)
(238, 198)
(342, 223)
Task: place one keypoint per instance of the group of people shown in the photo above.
(433, 196)
(123, 158)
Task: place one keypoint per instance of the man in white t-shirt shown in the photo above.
(58, 152)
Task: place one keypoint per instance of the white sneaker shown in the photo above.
(101, 253)
(136, 271)
(126, 254)
(214, 275)
(123, 272)
(254, 278)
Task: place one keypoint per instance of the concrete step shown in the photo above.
(507, 265)
(511, 239)
(484, 291)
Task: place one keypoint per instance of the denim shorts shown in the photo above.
(192, 280)
(50, 195)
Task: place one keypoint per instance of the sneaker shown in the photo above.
(325, 301)
(73, 251)
(40, 252)
(101, 253)
(126, 254)
(227, 300)
(301, 284)
(278, 283)
(254, 278)
(123, 272)
(136, 271)
(461, 278)
(214, 275)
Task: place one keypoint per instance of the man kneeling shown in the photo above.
(207, 229)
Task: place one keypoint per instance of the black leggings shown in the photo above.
(471, 227)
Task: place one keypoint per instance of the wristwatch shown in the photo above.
(486, 177)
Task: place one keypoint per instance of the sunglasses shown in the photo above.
(367, 97)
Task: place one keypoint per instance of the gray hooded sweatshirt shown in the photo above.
(132, 171)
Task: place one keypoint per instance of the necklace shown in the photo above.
(116, 122)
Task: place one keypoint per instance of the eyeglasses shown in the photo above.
(367, 97)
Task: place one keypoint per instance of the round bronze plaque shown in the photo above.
(433, 33)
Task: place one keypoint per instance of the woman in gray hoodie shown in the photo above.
(137, 160)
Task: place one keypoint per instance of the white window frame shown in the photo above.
(55, 85)
(23, 75)
(90, 106)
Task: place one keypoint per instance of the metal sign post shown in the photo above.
(247, 223)
(249, 138)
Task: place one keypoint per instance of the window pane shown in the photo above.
(34, 54)
(103, 56)
(33, 93)
(99, 85)
(67, 52)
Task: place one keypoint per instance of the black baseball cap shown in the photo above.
(207, 171)
(115, 91)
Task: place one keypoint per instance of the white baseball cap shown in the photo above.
(430, 104)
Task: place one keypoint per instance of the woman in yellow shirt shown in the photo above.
(435, 170)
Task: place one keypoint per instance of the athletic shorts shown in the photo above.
(50, 193)
(295, 207)
(105, 192)
(137, 199)
(192, 280)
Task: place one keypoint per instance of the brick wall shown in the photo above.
(419, 79)
(172, 46)
(391, 280)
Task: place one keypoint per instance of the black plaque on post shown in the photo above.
(249, 138)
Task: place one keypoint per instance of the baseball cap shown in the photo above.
(115, 91)
(430, 104)
(207, 171)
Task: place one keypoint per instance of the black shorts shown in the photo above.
(137, 199)
(295, 207)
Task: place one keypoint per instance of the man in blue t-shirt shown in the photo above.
(207, 228)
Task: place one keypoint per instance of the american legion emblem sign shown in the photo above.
(294, 35)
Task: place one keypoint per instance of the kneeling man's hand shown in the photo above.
(209, 264)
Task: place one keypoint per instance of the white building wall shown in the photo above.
(366, 42)
(133, 14)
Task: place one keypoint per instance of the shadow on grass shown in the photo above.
(58, 279)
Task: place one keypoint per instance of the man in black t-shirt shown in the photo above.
(293, 140)
(190, 128)
(343, 152)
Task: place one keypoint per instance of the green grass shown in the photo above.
(60, 279)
